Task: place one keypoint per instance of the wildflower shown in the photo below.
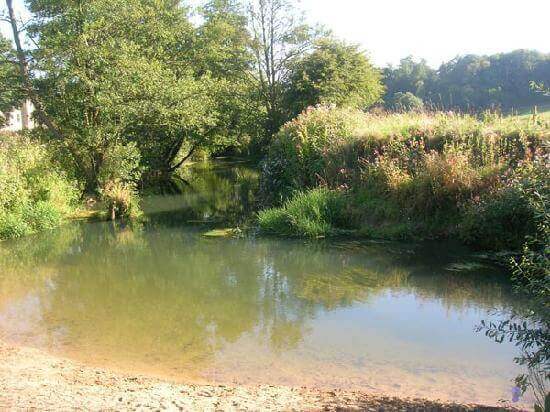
(516, 393)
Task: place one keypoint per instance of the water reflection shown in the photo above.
(214, 193)
(160, 298)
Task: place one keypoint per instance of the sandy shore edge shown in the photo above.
(32, 379)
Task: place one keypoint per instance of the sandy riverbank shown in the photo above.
(31, 379)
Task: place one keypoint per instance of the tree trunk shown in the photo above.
(182, 161)
(25, 77)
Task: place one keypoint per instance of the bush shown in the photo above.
(530, 329)
(315, 213)
(13, 225)
(34, 194)
(297, 158)
(118, 178)
(499, 220)
(407, 102)
(120, 199)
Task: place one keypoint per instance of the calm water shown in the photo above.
(163, 299)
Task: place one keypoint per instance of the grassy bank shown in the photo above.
(34, 194)
(403, 176)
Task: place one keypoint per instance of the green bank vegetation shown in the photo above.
(34, 194)
(405, 175)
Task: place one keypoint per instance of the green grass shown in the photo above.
(526, 113)
(316, 213)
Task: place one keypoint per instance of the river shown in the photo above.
(161, 298)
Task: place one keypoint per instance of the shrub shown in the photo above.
(298, 159)
(34, 194)
(499, 220)
(118, 178)
(530, 331)
(120, 199)
(13, 225)
(407, 102)
(315, 213)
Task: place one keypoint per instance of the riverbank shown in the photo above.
(31, 379)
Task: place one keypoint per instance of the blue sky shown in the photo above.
(436, 30)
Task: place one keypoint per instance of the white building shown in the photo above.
(19, 119)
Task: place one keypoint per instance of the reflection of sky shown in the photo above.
(395, 344)
(408, 329)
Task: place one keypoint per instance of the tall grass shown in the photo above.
(34, 194)
(315, 213)
(407, 172)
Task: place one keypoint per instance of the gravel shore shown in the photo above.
(31, 379)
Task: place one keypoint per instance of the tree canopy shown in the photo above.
(10, 86)
(472, 82)
(333, 73)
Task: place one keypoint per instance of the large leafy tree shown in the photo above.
(222, 50)
(333, 73)
(118, 79)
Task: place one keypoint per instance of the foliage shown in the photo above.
(333, 73)
(533, 268)
(279, 35)
(410, 76)
(473, 82)
(407, 101)
(10, 90)
(118, 181)
(436, 171)
(116, 73)
(222, 48)
(315, 213)
(296, 158)
(34, 194)
(499, 220)
(530, 330)
(120, 199)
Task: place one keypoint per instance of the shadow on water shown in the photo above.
(160, 298)
(220, 193)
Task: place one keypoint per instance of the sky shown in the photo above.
(437, 30)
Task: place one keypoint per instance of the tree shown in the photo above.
(279, 36)
(11, 92)
(501, 80)
(117, 78)
(334, 73)
(222, 50)
(25, 80)
(410, 76)
(407, 101)
(473, 82)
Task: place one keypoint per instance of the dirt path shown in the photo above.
(31, 379)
